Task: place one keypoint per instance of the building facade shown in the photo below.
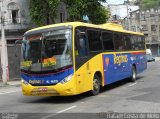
(17, 22)
(147, 22)
(17, 19)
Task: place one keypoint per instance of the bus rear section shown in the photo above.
(107, 56)
(118, 66)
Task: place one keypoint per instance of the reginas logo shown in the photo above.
(118, 59)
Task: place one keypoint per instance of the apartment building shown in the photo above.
(147, 22)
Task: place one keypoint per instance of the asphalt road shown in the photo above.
(143, 96)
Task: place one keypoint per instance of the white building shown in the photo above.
(17, 20)
(121, 10)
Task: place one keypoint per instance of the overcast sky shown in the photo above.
(115, 1)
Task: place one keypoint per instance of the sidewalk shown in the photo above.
(157, 58)
(12, 83)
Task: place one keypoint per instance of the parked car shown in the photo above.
(150, 58)
(148, 51)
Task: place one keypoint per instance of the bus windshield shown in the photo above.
(46, 51)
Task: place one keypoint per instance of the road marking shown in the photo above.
(67, 109)
(61, 111)
(3, 93)
(133, 84)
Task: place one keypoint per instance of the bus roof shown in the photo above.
(106, 26)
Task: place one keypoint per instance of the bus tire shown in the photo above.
(134, 74)
(96, 85)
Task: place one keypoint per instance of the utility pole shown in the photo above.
(128, 19)
(4, 53)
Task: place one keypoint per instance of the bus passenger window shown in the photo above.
(127, 42)
(94, 40)
(107, 41)
(134, 42)
(81, 47)
(82, 44)
(118, 40)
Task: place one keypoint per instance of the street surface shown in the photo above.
(142, 96)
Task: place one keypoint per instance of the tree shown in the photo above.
(43, 12)
(92, 8)
(147, 4)
(97, 13)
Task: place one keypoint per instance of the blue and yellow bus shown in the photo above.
(72, 58)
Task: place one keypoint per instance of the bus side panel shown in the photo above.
(116, 67)
(140, 61)
(84, 75)
(110, 71)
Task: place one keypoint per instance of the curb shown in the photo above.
(11, 84)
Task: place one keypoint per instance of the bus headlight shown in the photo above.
(25, 82)
(66, 79)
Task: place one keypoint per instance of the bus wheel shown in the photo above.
(133, 77)
(96, 85)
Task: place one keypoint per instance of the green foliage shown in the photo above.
(147, 4)
(97, 13)
(92, 8)
(43, 12)
(76, 9)
(99, 16)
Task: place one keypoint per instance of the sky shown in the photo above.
(120, 10)
(115, 1)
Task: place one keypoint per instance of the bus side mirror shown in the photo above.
(17, 42)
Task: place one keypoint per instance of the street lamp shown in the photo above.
(4, 53)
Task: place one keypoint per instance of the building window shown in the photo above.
(153, 27)
(137, 15)
(154, 38)
(146, 37)
(159, 17)
(142, 17)
(61, 17)
(144, 28)
(133, 28)
(152, 16)
(14, 16)
(13, 11)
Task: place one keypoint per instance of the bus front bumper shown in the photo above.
(59, 89)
